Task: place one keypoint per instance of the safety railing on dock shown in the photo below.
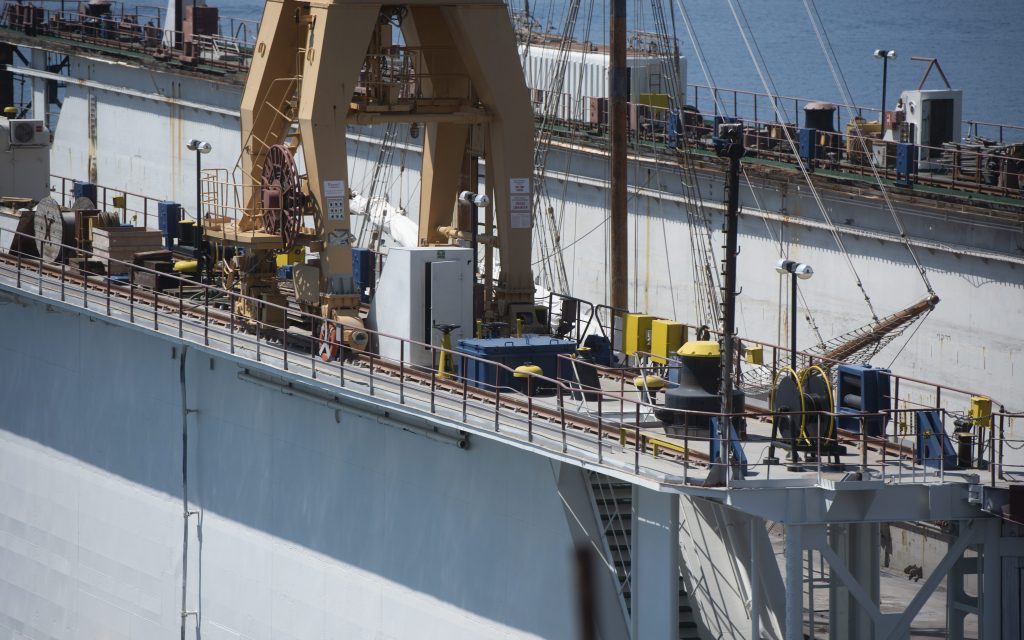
(615, 424)
(135, 29)
(132, 208)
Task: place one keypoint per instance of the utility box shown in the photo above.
(666, 338)
(420, 288)
(636, 329)
(808, 144)
(168, 217)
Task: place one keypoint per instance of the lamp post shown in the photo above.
(200, 147)
(797, 270)
(476, 202)
(885, 55)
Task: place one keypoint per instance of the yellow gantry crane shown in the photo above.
(450, 66)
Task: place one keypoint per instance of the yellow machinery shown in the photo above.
(451, 67)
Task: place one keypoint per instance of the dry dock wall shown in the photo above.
(311, 522)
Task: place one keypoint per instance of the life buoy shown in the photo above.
(330, 345)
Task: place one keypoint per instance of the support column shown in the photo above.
(857, 545)
(990, 617)
(755, 580)
(37, 60)
(655, 558)
(794, 582)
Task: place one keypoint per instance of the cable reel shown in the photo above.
(802, 406)
(281, 196)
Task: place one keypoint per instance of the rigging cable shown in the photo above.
(768, 87)
(706, 296)
(712, 86)
(826, 47)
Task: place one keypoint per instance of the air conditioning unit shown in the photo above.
(29, 133)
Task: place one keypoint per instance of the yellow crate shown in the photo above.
(635, 328)
(666, 338)
(755, 354)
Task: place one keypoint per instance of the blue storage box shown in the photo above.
(363, 271)
(83, 190)
(542, 351)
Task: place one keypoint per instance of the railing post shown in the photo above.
(401, 375)
(18, 269)
(131, 297)
(231, 324)
(433, 384)
(108, 287)
(156, 307)
(497, 395)
(181, 316)
(284, 339)
(206, 316)
(259, 326)
(465, 388)
(561, 414)
(529, 409)
(1002, 442)
(371, 383)
(341, 367)
(62, 276)
(41, 274)
(863, 444)
(600, 431)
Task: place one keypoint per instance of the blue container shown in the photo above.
(169, 214)
(363, 271)
(808, 144)
(542, 351)
(906, 164)
(862, 388)
(83, 190)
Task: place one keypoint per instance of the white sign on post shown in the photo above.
(520, 203)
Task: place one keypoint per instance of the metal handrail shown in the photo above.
(449, 396)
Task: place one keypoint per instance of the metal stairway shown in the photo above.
(613, 501)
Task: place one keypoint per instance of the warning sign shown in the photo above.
(334, 189)
(519, 203)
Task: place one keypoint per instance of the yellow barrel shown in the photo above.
(185, 266)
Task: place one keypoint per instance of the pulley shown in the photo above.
(281, 197)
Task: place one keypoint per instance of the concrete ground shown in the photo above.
(896, 592)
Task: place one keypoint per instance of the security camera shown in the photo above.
(476, 199)
(199, 145)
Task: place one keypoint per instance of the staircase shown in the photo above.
(613, 501)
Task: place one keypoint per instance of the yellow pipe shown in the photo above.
(185, 266)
